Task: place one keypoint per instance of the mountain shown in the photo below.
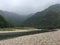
(4, 23)
(49, 18)
(13, 18)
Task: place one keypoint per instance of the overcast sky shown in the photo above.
(26, 6)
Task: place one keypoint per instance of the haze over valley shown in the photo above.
(26, 7)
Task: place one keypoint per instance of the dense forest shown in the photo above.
(4, 23)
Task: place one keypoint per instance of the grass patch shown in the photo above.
(7, 29)
(13, 29)
(25, 28)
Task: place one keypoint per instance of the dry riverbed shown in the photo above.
(48, 38)
(19, 30)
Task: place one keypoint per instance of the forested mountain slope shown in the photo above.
(49, 18)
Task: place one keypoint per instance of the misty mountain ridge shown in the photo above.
(13, 18)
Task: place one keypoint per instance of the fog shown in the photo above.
(25, 7)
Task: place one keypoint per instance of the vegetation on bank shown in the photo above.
(7, 29)
(5, 25)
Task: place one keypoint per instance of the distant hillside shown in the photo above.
(49, 18)
(13, 18)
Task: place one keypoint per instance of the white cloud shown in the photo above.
(26, 6)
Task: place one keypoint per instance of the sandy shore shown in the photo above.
(17, 30)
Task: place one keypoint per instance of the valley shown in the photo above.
(40, 28)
